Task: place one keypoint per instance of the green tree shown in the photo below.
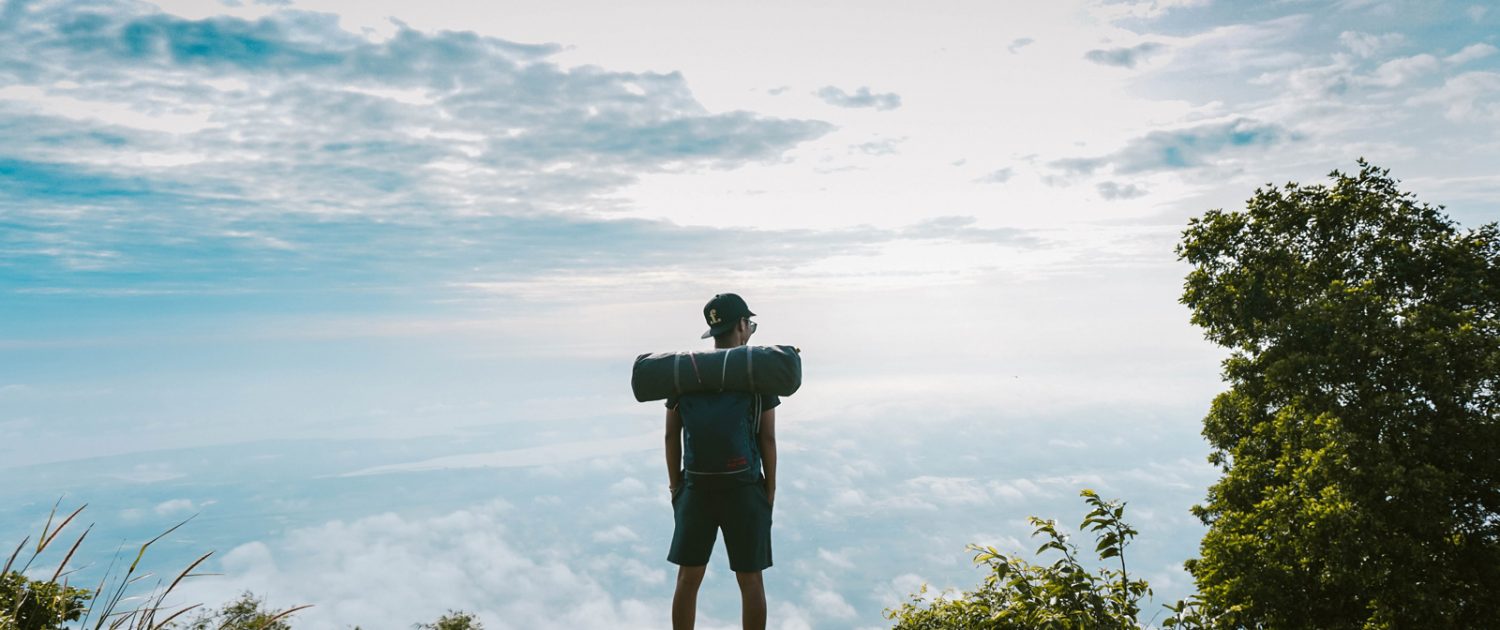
(1359, 439)
(454, 620)
(1062, 595)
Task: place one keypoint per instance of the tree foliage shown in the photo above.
(27, 604)
(248, 612)
(1062, 595)
(1359, 439)
(454, 620)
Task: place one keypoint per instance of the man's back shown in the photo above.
(721, 468)
(720, 435)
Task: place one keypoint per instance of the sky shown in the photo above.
(359, 284)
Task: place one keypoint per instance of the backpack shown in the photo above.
(720, 434)
(773, 370)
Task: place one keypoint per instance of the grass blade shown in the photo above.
(124, 618)
(285, 613)
(71, 551)
(60, 527)
(100, 589)
(153, 540)
(185, 572)
(45, 540)
(13, 555)
(46, 528)
(174, 615)
(127, 580)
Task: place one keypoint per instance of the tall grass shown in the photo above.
(110, 604)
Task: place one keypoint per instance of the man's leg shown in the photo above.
(685, 599)
(692, 545)
(747, 538)
(752, 600)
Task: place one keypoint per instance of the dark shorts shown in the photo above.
(742, 511)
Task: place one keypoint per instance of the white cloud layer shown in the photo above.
(392, 571)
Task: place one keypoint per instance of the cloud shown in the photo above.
(1471, 53)
(839, 559)
(1314, 84)
(849, 498)
(1359, 5)
(963, 229)
(1182, 473)
(999, 176)
(394, 570)
(1185, 148)
(149, 473)
(830, 604)
(1317, 84)
(1113, 190)
(949, 490)
(878, 147)
(1017, 44)
(512, 564)
(1471, 96)
(221, 152)
(1124, 57)
(1401, 70)
(1014, 490)
(214, 250)
(14, 389)
(522, 457)
(1143, 9)
(1367, 45)
(616, 535)
(175, 507)
(628, 486)
(862, 97)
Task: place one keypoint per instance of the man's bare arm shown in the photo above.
(674, 450)
(768, 450)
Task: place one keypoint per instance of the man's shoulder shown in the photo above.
(769, 401)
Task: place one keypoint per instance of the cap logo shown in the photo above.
(713, 317)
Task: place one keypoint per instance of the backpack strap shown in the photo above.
(750, 367)
(759, 402)
(677, 374)
(724, 372)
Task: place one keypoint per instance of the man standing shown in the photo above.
(725, 479)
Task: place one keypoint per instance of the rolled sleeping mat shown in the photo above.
(757, 369)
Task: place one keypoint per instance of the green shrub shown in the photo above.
(37, 605)
(246, 613)
(1064, 594)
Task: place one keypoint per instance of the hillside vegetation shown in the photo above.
(1359, 439)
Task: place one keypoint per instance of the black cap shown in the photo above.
(723, 313)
